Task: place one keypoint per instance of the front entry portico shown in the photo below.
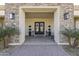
(56, 16)
(45, 9)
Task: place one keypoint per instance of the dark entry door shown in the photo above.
(39, 27)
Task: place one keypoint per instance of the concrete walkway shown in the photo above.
(38, 50)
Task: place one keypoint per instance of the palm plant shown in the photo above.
(9, 31)
(14, 31)
(5, 34)
(69, 34)
(2, 35)
(76, 36)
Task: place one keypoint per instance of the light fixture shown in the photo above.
(66, 15)
(12, 16)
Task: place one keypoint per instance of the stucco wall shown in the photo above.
(77, 23)
(76, 19)
(1, 21)
(31, 18)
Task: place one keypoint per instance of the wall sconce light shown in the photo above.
(12, 16)
(66, 15)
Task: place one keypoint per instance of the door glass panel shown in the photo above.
(37, 24)
(41, 24)
(41, 27)
(37, 27)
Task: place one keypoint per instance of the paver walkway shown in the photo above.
(40, 46)
(37, 40)
(38, 50)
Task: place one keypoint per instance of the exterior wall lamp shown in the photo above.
(66, 15)
(12, 16)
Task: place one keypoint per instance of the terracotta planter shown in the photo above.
(1, 44)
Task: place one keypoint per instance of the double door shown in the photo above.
(39, 27)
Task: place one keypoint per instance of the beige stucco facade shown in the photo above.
(51, 13)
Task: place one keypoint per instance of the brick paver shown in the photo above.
(38, 46)
(38, 50)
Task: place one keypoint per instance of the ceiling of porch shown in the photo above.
(39, 10)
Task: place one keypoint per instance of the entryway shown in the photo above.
(39, 28)
(28, 15)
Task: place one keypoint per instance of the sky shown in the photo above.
(2, 2)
